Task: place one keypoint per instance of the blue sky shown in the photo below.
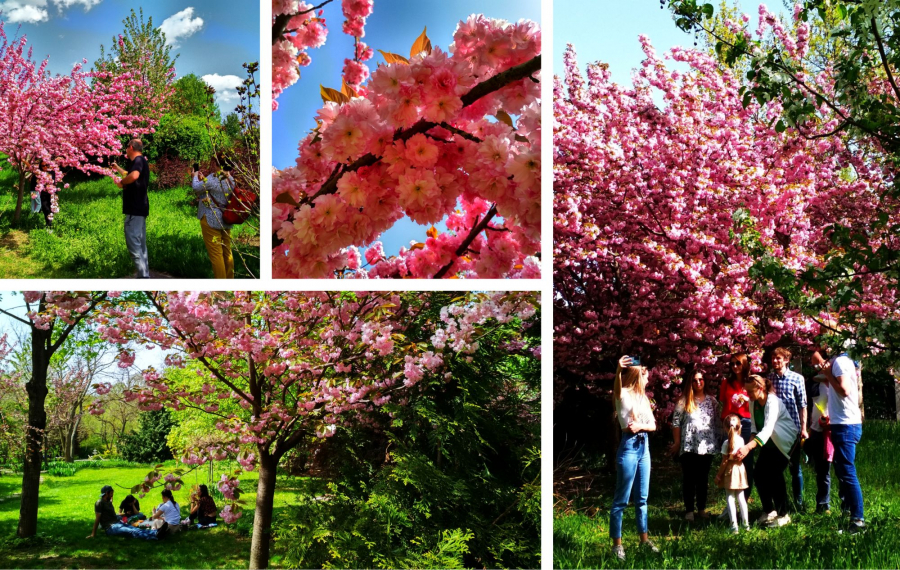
(393, 27)
(211, 41)
(608, 30)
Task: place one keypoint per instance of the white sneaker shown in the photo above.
(619, 552)
(766, 518)
(780, 521)
(689, 516)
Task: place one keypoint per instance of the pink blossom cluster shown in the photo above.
(410, 147)
(304, 30)
(665, 192)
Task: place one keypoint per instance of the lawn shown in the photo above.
(66, 517)
(583, 499)
(88, 240)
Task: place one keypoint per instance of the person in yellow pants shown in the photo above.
(213, 191)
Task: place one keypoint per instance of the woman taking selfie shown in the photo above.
(635, 417)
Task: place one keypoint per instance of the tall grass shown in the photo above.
(88, 240)
(581, 524)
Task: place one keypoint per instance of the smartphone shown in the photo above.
(196, 166)
(635, 360)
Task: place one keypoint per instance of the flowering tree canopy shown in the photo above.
(48, 123)
(830, 63)
(660, 215)
(431, 137)
(298, 365)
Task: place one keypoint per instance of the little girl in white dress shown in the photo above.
(732, 475)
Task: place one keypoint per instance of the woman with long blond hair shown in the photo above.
(695, 429)
(635, 416)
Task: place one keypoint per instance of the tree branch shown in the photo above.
(477, 229)
(884, 63)
(281, 21)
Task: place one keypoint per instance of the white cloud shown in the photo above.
(35, 11)
(87, 4)
(226, 90)
(24, 11)
(180, 25)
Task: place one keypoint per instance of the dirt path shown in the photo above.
(14, 261)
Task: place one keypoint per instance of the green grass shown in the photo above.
(88, 240)
(581, 522)
(66, 516)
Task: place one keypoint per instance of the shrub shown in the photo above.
(61, 469)
(181, 136)
(148, 444)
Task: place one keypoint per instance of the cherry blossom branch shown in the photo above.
(483, 89)
(884, 63)
(461, 250)
(281, 21)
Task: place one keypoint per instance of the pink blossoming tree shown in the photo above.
(299, 365)
(52, 317)
(661, 215)
(431, 137)
(49, 123)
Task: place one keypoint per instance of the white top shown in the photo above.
(844, 410)
(627, 409)
(738, 443)
(171, 514)
(778, 425)
(819, 407)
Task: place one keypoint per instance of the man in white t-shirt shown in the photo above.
(839, 375)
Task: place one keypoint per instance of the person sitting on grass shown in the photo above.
(204, 509)
(131, 508)
(105, 517)
(167, 513)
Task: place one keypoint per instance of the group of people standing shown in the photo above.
(770, 413)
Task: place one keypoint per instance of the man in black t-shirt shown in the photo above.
(135, 205)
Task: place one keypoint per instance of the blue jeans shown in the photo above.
(797, 476)
(748, 461)
(845, 437)
(632, 480)
(815, 445)
(136, 241)
(119, 529)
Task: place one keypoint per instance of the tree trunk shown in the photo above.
(897, 395)
(20, 198)
(71, 437)
(262, 519)
(34, 433)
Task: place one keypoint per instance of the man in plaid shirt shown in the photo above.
(790, 388)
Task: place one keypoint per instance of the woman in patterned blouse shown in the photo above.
(696, 427)
(204, 510)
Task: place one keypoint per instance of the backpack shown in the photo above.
(240, 206)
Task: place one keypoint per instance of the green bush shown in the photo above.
(181, 136)
(61, 469)
(148, 443)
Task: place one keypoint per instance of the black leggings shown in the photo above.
(201, 519)
(769, 476)
(695, 482)
(45, 207)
